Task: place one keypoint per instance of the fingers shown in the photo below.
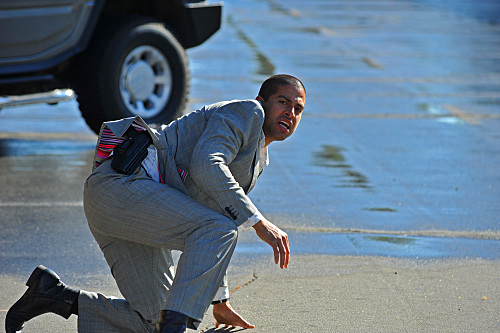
(287, 252)
(282, 251)
(276, 250)
(277, 239)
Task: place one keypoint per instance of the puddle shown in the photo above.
(354, 179)
(332, 157)
(318, 31)
(20, 147)
(451, 120)
(372, 63)
(381, 209)
(18, 155)
(431, 109)
(276, 7)
(441, 113)
(422, 247)
(392, 240)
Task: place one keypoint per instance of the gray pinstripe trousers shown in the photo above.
(137, 222)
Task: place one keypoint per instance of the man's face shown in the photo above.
(283, 111)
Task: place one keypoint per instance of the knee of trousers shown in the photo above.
(228, 227)
(223, 230)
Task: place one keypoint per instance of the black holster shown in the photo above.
(128, 156)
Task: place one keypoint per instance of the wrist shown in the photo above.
(257, 225)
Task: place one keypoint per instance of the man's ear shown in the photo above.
(260, 99)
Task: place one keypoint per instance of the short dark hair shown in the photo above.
(271, 85)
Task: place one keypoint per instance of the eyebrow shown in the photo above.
(288, 99)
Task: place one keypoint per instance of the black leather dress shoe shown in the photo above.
(171, 322)
(46, 293)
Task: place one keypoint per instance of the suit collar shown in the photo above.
(257, 162)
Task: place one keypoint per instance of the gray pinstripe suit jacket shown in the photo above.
(218, 145)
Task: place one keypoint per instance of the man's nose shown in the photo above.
(290, 112)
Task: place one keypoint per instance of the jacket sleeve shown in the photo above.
(231, 130)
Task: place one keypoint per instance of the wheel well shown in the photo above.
(191, 25)
(168, 11)
(155, 8)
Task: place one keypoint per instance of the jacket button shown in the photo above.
(230, 213)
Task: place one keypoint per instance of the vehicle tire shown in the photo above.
(134, 67)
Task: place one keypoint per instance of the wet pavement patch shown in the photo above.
(385, 245)
(20, 147)
(276, 7)
(392, 239)
(264, 65)
(381, 209)
(372, 63)
(443, 114)
(318, 30)
(331, 156)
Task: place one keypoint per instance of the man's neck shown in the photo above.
(268, 142)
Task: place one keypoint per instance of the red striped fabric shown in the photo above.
(108, 141)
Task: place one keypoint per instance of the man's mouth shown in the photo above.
(285, 125)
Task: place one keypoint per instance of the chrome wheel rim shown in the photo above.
(145, 81)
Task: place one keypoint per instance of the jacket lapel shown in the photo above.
(256, 163)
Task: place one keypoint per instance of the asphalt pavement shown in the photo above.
(389, 189)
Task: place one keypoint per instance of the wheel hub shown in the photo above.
(140, 80)
(145, 81)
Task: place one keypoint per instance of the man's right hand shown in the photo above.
(277, 239)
